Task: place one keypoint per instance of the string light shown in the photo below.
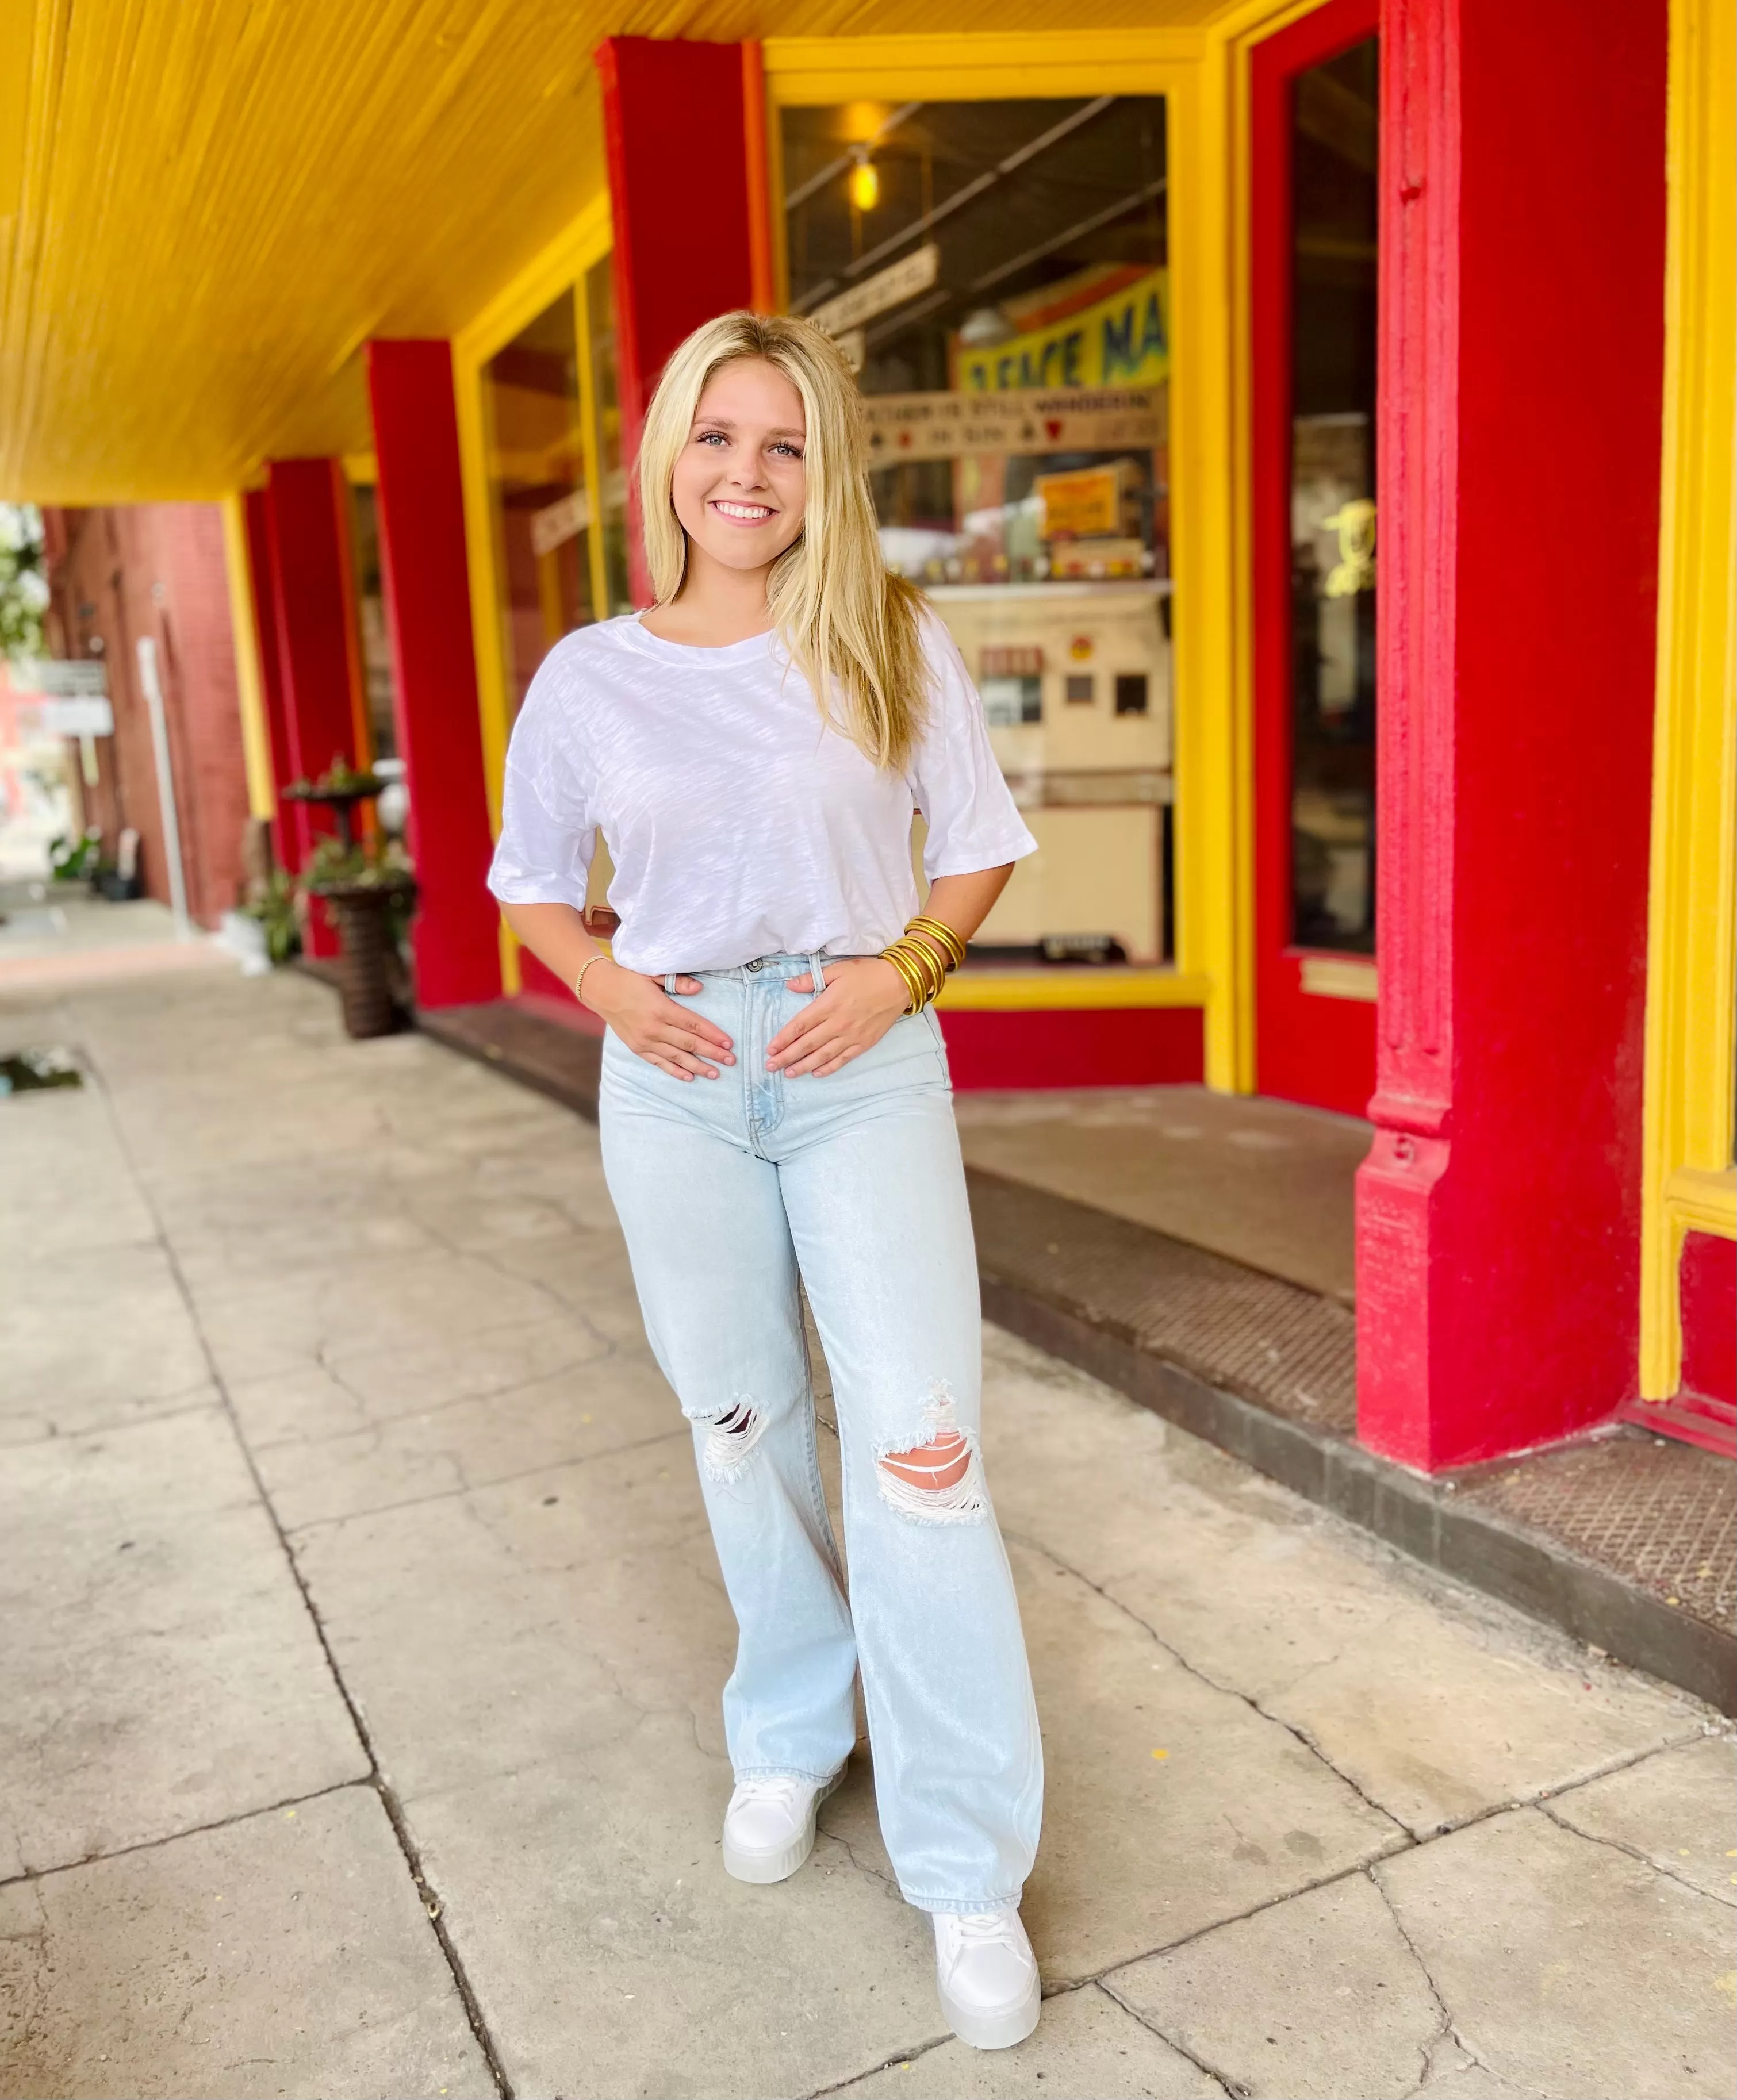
(865, 184)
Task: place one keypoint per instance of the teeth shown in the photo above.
(742, 509)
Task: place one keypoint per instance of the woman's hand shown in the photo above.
(651, 1023)
(864, 997)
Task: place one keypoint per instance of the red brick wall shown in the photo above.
(157, 569)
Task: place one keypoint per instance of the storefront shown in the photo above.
(1323, 463)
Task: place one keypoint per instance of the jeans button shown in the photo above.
(753, 966)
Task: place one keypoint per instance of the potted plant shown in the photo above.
(369, 891)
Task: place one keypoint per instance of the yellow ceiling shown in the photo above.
(206, 206)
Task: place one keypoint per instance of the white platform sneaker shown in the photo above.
(768, 1828)
(986, 1976)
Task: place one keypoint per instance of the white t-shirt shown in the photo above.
(740, 824)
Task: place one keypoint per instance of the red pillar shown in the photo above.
(1522, 259)
(684, 250)
(457, 928)
(318, 641)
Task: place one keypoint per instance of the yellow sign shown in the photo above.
(1123, 341)
(1079, 505)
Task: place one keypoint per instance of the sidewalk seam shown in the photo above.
(433, 1907)
(191, 1830)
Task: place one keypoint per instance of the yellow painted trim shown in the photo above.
(591, 452)
(807, 71)
(1702, 1199)
(1692, 900)
(1064, 990)
(560, 267)
(361, 469)
(256, 738)
(562, 262)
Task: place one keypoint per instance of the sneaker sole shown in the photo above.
(765, 1867)
(979, 2030)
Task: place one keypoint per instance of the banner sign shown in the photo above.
(929, 426)
(71, 679)
(880, 293)
(1123, 341)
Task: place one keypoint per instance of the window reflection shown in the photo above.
(1332, 502)
(996, 271)
(537, 496)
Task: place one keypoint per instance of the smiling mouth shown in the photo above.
(743, 514)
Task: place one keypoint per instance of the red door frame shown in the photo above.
(1307, 1048)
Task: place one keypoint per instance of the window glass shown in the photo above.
(996, 273)
(599, 297)
(537, 496)
(1334, 116)
(370, 605)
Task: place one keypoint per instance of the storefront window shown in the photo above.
(997, 272)
(1332, 502)
(599, 299)
(371, 606)
(536, 483)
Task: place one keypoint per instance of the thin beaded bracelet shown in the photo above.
(579, 981)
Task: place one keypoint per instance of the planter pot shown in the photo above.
(367, 961)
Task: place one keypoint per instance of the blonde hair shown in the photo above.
(850, 626)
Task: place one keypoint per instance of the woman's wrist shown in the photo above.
(589, 986)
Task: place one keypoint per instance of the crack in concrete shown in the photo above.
(1634, 1852)
(467, 1486)
(1293, 1729)
(433, 1906)
(1445, 2030)
(187, 1830)
(1222, 2079)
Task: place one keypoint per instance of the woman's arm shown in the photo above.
(637, 1007)
(864, 996)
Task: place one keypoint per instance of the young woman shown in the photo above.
(775, 1109)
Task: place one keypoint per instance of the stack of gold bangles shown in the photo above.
(922, 956)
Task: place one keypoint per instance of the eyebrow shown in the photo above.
(724, 423)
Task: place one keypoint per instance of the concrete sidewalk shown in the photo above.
(363, 1641)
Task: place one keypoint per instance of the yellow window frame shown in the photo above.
(561, 267)
(1203, 75)
(1688, 1182)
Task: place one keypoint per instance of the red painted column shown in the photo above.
(1522, 258)
(318, 642)
(455, 934)
(684, 250)
(271, 663)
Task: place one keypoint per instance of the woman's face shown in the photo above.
(740, 486)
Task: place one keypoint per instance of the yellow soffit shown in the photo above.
(208, 206)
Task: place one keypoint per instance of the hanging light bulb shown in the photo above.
(865, 184)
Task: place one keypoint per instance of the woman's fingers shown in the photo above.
(828, 1048)
(685, 1035)
(686, 987)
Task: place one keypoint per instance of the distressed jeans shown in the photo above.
(729, 1190)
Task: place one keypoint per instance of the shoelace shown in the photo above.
(767, 1789)
(986, 1928)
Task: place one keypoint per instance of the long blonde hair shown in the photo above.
(850, 626)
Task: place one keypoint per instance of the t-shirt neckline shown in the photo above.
(693, 652)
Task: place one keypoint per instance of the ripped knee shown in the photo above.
(730, 1437)
(938, 1479)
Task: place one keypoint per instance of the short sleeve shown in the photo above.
(966, 804)
(548, 833)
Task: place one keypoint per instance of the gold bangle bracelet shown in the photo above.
(924, 966)
(907, 978)
(942, 934)
(579, 981)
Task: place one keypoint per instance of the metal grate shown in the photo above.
(1271, 1342)
(1658, 1513)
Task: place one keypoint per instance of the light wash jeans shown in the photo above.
(727, 1190)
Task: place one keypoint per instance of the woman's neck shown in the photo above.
(715, 605)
